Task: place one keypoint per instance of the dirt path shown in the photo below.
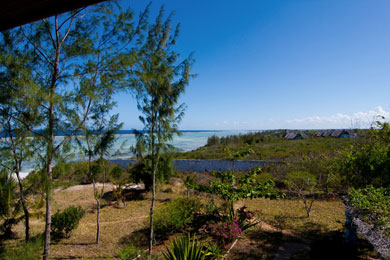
(98, 185)
(288, 249)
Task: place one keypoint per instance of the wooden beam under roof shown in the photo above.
(15, 13)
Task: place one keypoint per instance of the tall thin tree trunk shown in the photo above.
(98, 212)
(25, 210)
(152, 213)
(98, 222)
(155, 165)
(50, 149)
(17, 171)
(50, 146)
(46, 248)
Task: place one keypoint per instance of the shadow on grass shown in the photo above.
(332, 245)
(129, 195)
(79, 244)
(138, 238)
(312, 230)
(323, 244)
(2, 246)
(257, 244)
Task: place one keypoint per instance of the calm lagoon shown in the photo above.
(187, 141)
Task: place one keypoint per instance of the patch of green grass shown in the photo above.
(25, 251)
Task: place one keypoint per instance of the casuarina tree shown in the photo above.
(160, 80)
(15, 144)
(97, 141)
(76, 57)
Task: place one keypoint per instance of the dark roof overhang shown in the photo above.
(15, 13)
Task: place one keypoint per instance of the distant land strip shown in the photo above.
(205, 165)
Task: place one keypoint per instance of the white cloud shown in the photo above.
(339, 120)
(336, 121)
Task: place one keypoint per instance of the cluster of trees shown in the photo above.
(59, 75)
(249, 138)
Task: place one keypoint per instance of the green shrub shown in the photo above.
(188, 248)
(174, 215)
(142, 170)
(64, 222)
(368, 163)
(373, 204)
(25, 251)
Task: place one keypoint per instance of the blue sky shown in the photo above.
(268, 64)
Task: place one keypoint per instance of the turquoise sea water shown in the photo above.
(188, 141)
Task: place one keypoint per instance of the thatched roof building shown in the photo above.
(339, 133)
(296, 136)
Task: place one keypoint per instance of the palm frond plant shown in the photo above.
(189, 248)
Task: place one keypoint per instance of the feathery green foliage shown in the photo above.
(74, 58)
(142, 170)
(15, 145)
(160, 80)
(99, 135)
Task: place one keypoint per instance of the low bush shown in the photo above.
(142, 170)
(64, 222)
(373, 204)
(223, 232)
(175, 215)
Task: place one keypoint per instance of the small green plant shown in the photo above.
(280, 222)
(64, 222)
(119, 179)
(305, 185)
(131, 252)
(232, 188)
(175, 215)
(189, 248)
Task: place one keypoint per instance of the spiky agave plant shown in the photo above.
(189, 248)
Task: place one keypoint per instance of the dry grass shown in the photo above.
(121, 226)
(118, 225)
(326, 215)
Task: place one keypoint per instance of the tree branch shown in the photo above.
(36, 48)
